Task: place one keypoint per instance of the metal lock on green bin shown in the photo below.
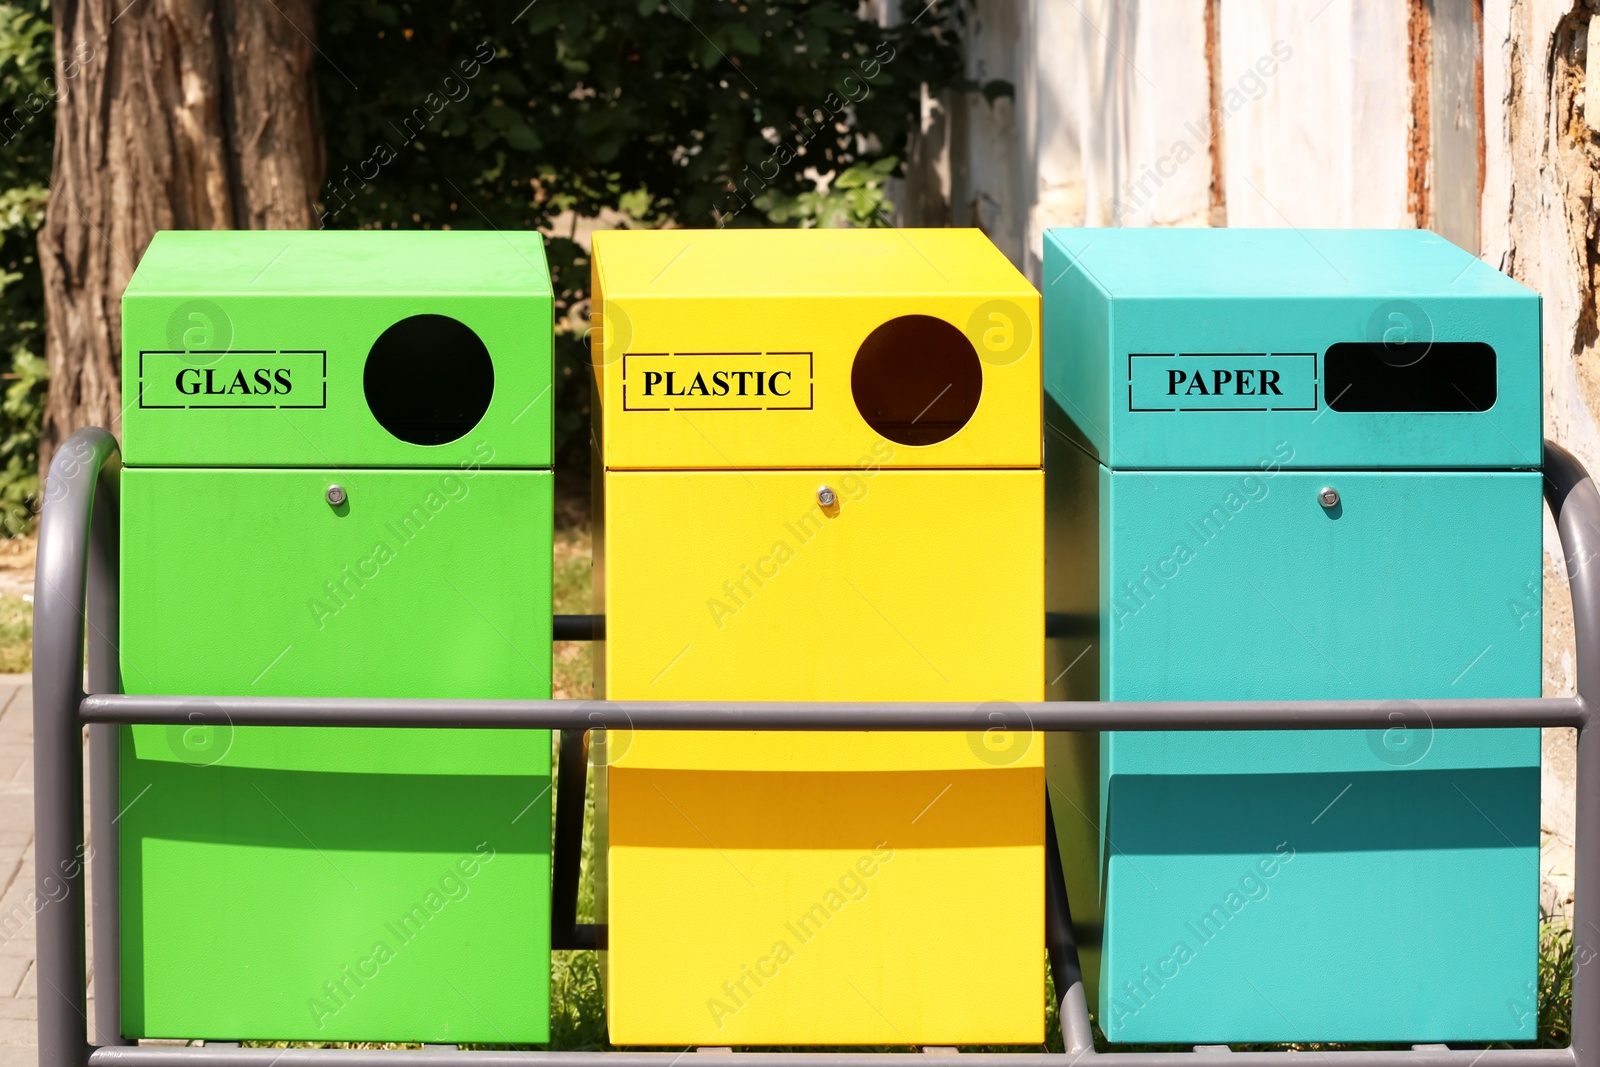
(337, 483)
(1295, 465)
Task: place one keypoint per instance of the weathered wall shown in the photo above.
(1324, 144)
(1466, 116)
(1538, 225)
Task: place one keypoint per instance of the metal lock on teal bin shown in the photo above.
(1291, 465)
(337, 482)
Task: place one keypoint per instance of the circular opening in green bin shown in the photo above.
(916, 380)
(429, 379)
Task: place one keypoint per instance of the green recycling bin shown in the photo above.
(337, 483)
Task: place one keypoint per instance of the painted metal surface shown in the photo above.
(1132, 308)
(204, 307)
(798, 305)
(859, 597)
(1228, 844)
(1249, 882)
(309, 851)
(820, 888)
(336, 491)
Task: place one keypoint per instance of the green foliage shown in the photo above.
(856, 198)
(27, 130)
(1555, 984)
(519, 115)
(577, 993)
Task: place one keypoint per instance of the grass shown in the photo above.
(577, 999)
(572, 666)
(16, 614)
(16, 634)
(1555, 984)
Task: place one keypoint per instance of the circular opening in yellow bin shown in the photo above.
(916, 380)
(429, 379)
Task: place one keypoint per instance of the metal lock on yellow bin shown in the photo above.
(820, 474)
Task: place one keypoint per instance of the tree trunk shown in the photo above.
(172, 114)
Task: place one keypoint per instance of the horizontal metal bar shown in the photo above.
(167, 1056)
(994, 715)
(588, 936)
(1065, 624)
(578, 628)
(593, 627)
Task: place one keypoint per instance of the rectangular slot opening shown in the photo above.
(1410, 376)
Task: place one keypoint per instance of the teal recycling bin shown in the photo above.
(1295, 465)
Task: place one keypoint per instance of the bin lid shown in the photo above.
(1211, 349)
(721, 349)
(274, 348)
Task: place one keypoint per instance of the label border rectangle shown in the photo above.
(811, 380)
(234, 352)
(1316, 379)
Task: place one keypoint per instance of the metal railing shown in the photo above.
(76, 594)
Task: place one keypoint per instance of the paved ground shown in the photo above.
(18, 998)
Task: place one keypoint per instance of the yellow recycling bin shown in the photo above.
(819, 454)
